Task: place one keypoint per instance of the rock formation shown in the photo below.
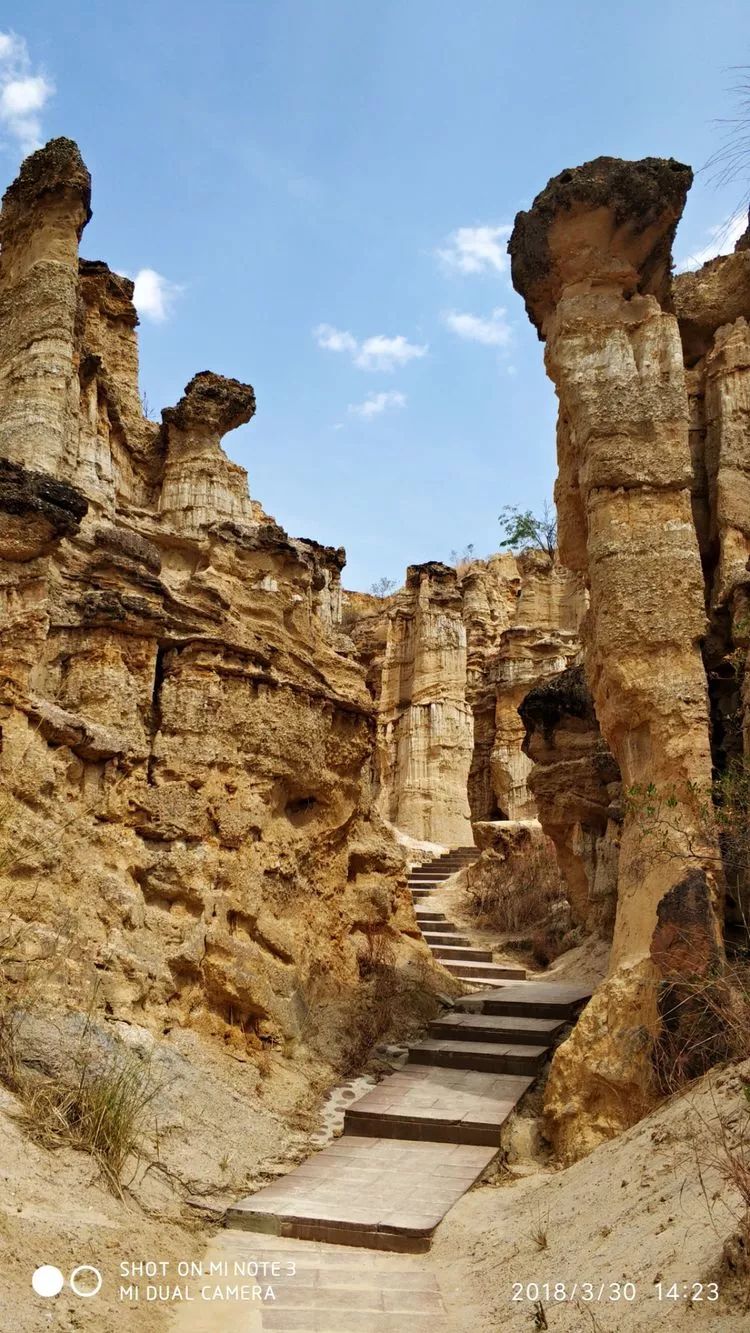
(522, 616)
(651, 460)
(187, 757)
(449, 659)
(576, 785)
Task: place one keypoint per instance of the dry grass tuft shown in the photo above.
(103, 1112)
(705, 1021)
(539, 1234)
(523, 890)
(378, 955)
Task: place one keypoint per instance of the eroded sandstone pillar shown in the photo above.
(201, 485)
(43, 215)
(592, 260)
(427, 726)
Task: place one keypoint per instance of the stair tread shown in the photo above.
(432, 1094)
(465, 952)
(508, 971)
(531, 991)
(463, 1022)
(477, 1047)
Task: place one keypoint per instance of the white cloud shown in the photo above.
(375, 403)
(722, 240)
(154, 295)
(23, 94)
(377, 352)
(493, 332)
(476, 249)
(381, 353)
(334, 340)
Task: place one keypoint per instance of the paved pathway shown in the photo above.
(317, 1288)
(414, 1143)
(411, 1146)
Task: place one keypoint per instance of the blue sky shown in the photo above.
(318, 192)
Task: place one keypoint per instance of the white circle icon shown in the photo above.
(47, 1280)
(85, 1289)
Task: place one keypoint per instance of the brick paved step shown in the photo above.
(413, 883)
(469, 971)
(383, 1194)
(429, 1102)
(485, 1055)
(456, 952)
(527, 999)
(431, 874)
(495, 1027)
(435, 937)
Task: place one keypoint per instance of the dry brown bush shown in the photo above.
(523, 890)
(705, 1021)
(378, 954)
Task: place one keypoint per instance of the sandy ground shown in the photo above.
(220, 1131)
(650, 1206)
(54, 1209)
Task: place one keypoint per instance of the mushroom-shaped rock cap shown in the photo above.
(608, 220)
(212, 403)
(434, 570)
(55, 168)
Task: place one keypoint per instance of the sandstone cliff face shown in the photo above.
(651, 412)
(424, 721)
(186, 756)
(576, 785)
(522, 616)
(449, 659)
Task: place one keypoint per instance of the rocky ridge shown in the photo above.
(187, 752)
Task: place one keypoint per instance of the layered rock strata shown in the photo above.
(449, 658)
(187, 757)
(637, 512)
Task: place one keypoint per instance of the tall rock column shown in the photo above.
(43, 215)
(592, 259)
(427, 731)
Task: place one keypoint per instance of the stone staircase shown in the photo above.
(417, 1141)
(453, 950)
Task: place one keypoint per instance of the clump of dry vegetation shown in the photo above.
(376, 963)
(518, 891)
(720, 1145)
(103, 1111)
(705, 1021)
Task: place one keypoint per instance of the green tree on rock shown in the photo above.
(523, 528)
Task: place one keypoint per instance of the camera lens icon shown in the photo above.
(84, 1281)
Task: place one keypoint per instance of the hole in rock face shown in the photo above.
(301, 809)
